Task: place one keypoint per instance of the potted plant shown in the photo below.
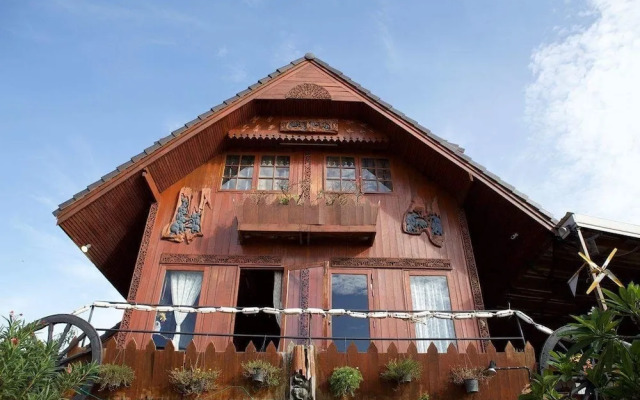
(114, 376)
(193, 381)
(424, 396)
(469, 377)
(402, 370)
(344, 381)
(262, 372)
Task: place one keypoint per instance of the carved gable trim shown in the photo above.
(401, 263)
(308, 91)
(215, 259)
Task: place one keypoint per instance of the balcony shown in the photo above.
(304, 223)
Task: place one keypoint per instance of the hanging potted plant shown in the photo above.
(262, 372)
(344, 381)
(114, 376)
(193, 381)
(402, 370)
(469, 377)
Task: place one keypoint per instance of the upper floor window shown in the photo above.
(238, 172)
(342, 175)
(274, 173)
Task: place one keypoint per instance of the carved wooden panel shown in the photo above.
(418, 218)
(213, 259)
(313, 125)
(308, 91)
(188, 216)
(402, 263)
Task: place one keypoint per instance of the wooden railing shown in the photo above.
(354, 221)
(151, 367)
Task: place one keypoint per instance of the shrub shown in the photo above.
(345, 381)
(398, 370)
(28, 367)
(272, 374)
(193, 380)
(459, 374)
(424, 396)
(114, 376)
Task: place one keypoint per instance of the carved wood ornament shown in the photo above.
(308, 91)
(187, 218)
(418, 218)
(312, 126)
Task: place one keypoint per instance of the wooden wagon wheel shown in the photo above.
(72, 324)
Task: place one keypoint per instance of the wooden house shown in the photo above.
(307, 192)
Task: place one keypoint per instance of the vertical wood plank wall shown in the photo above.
(221, 238)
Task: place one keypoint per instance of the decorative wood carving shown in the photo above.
(418, 219)
(402, 263)
(137, 272)
(214, 259)
(472, 271)
(306, 180)
(302, 380)
(303, 321)
(188, 217)
(314, 125)
(308, 91)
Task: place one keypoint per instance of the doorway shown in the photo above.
(258, 288)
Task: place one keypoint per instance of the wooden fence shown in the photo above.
(151, 367)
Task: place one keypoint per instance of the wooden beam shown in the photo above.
(152, 184)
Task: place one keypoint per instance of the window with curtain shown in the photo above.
(238, 172)
(273, 173)
(432, 293)
(180, 288)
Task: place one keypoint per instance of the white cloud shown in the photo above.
(382, 21)
(582, 109)
(349, 284)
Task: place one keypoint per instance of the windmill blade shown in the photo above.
(591, 263)
(613, 278)
(604, 266)
(596, 281)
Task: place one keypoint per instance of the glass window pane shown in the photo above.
(384, 174)
(282, 172)
(369, 186)
(333, 161)
(267, 160)
(247, 160)
(233, 160)
(281, 184)
(333, 173)
(432, 293)
(230, 171)
(350, 293)
(368, 162)
(265, 184)
(348, 162)
(348, 186)
(266, 172)
(246, 172)
(386, 186)
(244, 184)
(349, 173)
(282, 161)
(332, 185)
(382, 163)
(368, 173)
(180, 288)
(228, 184)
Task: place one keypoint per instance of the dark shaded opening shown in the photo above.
(256, 290)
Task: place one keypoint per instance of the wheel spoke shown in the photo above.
(73, 344)
(74, 357)
(49, 333)
(63, 337)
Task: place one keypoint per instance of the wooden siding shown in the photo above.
(221, 238)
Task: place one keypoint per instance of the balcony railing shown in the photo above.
(306, 222)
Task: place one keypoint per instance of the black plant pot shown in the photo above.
(471, 385)
(258, 376)
(405, 378)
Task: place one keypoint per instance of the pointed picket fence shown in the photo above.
(152, 368)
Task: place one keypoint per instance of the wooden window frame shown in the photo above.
(273, 178)
(224, 166)
(358, 173)
(256, 170)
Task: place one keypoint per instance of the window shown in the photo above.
(238, 172)
(349, 292)
(432, 293)
(376, 175)
(180, 288)
(341, 175)
(274, 173)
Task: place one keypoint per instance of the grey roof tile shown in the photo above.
(192, 122)
(81, 194)
(124, 165)
(265, 79)
(255, 86)
(110, 175)
(178, 131)
(205, 115)
(285, 68)
(95, 184)
(138, 157)
(242, 93)
(152, 148)
(231, 100)
(218, 107)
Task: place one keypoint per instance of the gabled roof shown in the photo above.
(113, 209)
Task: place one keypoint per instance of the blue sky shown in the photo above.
(543, 93)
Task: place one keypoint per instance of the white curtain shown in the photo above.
(432, 293)
(185, 288)
(277, 293)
